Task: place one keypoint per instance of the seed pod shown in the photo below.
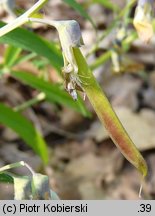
(108, 116)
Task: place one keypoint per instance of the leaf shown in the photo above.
(6, 178)
(54, 93)
(108, 4)
(11, 55)
(24, 129)
(76, 6)
(27, 57)
(27, 40)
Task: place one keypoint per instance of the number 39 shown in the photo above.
(145, 207)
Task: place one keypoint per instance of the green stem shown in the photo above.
(100, 38)
(114, 24)
(22, 19)
(44, 21)
(31, 102)
(106, 56)
(12, 166)
(16, 165)
(107, 115)
(101, 60)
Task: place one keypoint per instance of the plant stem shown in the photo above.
(12, 166)
(22, 19)
(114, 24)
(44, 21)
(41, 96)
(16, 165)
(101, 60)
(103, 108)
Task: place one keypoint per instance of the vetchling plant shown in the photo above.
(79, 77)
(36, 47)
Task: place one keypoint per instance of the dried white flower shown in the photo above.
(70, 37)
(143, 19)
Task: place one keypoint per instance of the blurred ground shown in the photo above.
(84, 162)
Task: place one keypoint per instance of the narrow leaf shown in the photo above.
(24, 129)
(27, 40)
(11, 55)
(54, 93)
(76, 6)
(108, 4)
(6, 178)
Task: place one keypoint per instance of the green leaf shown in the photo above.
(6, 178)
(24, 129)
(108, 4)
(27, 40)
(11, 55)
(54, 93)
(27, 57)
(76, 6)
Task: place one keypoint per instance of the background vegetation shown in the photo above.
(62, 138)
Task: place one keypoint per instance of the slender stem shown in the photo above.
(40, 97)
(35, 8)
(29, 168)
(16, 165)
(105, 33)
(101, 60)
(12, 25)
(11, 166)
(100, 38)
(44, 21)
(106, 56)
(22, 19)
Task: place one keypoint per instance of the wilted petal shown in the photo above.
(69, 31)
(70, 37)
